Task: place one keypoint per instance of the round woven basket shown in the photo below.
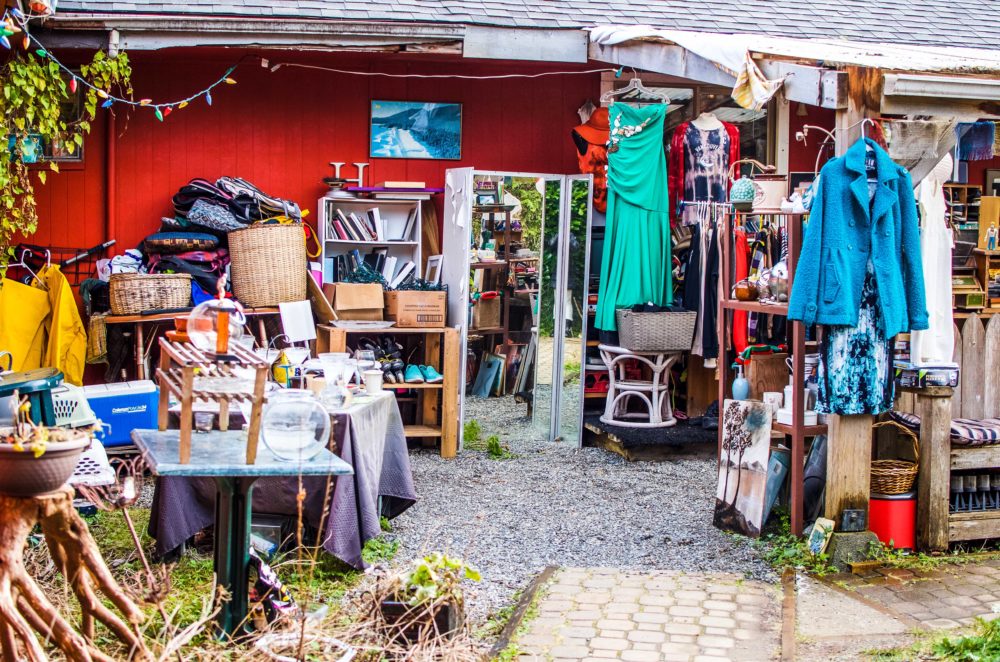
(132, 294)
(895, 476)
(268, 264)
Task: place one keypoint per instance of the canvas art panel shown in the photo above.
(746, 441)
(416, 130)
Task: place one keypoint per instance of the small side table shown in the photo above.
(654, 393)
(222, 456)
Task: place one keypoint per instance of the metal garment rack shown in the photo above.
(797, 432)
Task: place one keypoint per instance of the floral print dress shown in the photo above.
(855, 369)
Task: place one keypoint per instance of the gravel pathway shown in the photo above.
(554, 504)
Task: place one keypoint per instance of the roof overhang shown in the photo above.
(155, 32)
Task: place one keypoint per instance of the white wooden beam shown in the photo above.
(781, 138)
(662, 58)
(522, 44)
(813, 86)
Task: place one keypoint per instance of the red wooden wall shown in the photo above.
(280, 130)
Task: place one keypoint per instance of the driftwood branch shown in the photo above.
(24, 608)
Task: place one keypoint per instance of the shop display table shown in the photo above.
(142, 324)
(655, 392)
(221, 457)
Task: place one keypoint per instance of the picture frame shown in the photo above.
(432, 273)
(742, 490)
(991, 185)
(797, 179)
(415, 130)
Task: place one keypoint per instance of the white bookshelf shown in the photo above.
(394, 215)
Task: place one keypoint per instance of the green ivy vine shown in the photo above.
(34, 91)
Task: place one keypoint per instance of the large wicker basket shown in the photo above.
(655, 332)
(132, 294)
(268, 264)
(895, 476)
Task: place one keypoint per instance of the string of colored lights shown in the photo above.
(14, 21)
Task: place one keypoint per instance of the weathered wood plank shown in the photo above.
(848, 464)
(956, 397)
(935, 472)
(973, 368)
(991, 397)
(979, 457)
(974, 526)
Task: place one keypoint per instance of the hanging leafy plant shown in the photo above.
(34, 90)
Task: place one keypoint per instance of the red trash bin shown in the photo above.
(893, 519)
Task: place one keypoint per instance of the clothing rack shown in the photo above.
(797, 432)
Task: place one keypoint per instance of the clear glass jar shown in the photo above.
(203, 322)
(294, 426)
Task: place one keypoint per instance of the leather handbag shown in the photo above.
(762, 192)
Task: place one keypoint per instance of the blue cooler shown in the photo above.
(123, 407)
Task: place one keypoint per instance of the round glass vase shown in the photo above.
(294, 425)
(203, 325)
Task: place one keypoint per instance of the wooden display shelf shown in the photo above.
(493, 264)
(418, 431)
(807, 430)
(437, 404)
(756, 307)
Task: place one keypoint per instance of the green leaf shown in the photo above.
(41, 175)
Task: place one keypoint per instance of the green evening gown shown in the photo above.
(636, 267)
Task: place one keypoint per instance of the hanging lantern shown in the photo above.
(208, 98)
(145, 102)
(72, 85)
(40, 7)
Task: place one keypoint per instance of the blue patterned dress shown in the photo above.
(855, 368)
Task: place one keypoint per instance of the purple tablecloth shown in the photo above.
(368, 436)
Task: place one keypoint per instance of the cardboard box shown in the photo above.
(411, 309)
(486, 314)
(911, 376)
(355, 301)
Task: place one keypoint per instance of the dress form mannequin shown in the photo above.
(707, 122)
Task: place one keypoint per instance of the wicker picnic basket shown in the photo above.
(133, 294)
(268, 264)
(655, 332)
(895, 476)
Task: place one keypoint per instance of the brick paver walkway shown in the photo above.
(948, 597)
(598, 614)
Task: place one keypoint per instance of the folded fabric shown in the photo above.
(964, 431)
(213, 216)
(179, 242)
(128, 263)
(975, 141)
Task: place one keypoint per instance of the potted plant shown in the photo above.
(426, 600)
(35, 459)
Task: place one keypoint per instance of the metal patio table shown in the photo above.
(222, 457)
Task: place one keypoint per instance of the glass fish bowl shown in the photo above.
(294, 425)
(203, 325)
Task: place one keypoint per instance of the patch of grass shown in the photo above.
(384, 524)
(781, 549)
(983, 643)
(878, 551)
(472, 435)
(380, 550)
(571, 372)
(498, 450)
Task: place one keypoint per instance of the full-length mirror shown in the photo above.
(522, 299)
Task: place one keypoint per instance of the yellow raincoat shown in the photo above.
(23, 311)
(41, 326)
(66, 349)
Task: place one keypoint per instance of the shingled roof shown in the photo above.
(970, 23)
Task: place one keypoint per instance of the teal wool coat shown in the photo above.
(845, 228)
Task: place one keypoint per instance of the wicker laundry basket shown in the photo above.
(268, 264)
(655, 332)
(132, 294)
(895, 476)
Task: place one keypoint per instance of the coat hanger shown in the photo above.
(634, 85)
(27, 267)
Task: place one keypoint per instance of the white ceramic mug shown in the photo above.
(773, 400)
(373, 381)
(811, 362)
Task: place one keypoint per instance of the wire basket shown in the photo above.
(133, 294)
(268, 264)
(895, 476)
(655, 332)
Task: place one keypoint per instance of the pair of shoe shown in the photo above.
(420, 374)
(392, 370)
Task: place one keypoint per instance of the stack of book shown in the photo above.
(366, 226)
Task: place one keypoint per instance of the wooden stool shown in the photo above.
(655, 393)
